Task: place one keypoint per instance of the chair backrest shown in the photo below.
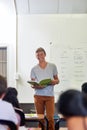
(10, 124)
(22, 116)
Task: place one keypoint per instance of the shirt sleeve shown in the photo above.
(55, 71)
(32, 74)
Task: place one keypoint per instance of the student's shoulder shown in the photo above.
(35, 67)
(51, 64)
(7, 104)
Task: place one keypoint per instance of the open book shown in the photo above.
(43, 82)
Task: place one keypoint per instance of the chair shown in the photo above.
(22, 116)
(10, 124)
(59, 122)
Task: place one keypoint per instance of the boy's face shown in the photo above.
(40, 55)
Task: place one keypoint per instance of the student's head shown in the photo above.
(84, 87)
(3, 85)
(11, 96)
(40, 49)
(11, 91)
(40, 53)
(72, 103)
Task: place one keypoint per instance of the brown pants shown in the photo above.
(45, 104)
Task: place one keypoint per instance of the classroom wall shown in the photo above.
(54, 33)
(8, 39)
(63, 37)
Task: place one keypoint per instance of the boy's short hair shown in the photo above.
(41, 49)
(3, 85)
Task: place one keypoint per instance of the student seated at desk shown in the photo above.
(11, 97)
(72, 104)
(6, 109)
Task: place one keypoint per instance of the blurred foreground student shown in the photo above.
(6, 109)
(72, 104)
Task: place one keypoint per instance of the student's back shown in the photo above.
(7, 112)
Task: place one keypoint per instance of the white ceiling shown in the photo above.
(44, 6)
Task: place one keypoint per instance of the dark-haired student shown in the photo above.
(11, 97)
(72, 104)
(6, 109)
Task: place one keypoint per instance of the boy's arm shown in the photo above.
(55, 80)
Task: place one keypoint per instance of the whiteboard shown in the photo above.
(71, 63)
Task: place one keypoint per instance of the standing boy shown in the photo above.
(44, 96)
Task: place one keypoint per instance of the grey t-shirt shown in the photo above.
(39, 74)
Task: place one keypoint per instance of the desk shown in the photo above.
(35, 118)
(25, 128)
(63, 129)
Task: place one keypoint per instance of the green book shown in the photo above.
(43, 82)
